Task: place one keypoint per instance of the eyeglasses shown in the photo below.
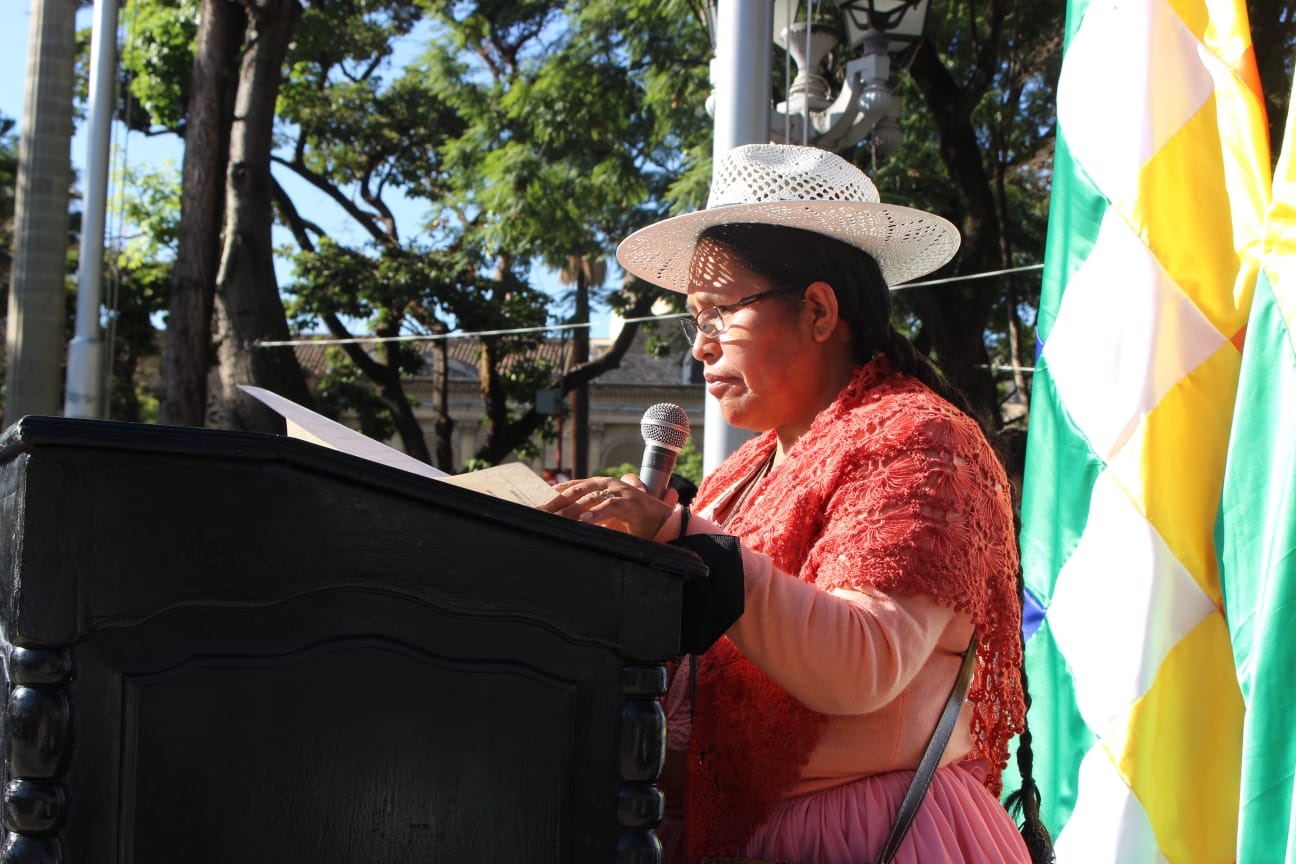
(710, 321)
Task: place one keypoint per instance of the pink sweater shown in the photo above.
(881, 710)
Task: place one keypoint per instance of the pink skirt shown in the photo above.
(959, 821)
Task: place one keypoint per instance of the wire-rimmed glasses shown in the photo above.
(710, 321)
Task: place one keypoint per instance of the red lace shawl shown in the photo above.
(891, 487)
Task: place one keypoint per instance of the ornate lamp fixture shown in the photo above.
(864, 108)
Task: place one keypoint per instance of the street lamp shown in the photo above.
(864, 108)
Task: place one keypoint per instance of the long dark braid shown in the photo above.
(791, 256)
(1024, 803)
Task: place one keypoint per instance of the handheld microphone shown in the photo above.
(665, 430)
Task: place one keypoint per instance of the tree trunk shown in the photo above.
(393, 393)
(186, 353)
(498, 444)
(36, 330)
(443, 425)
(248, 306)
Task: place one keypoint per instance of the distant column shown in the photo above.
(38, 291)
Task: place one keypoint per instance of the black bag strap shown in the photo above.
(931, 756)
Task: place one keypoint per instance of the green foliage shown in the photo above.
(687, 465)
(138, 281)
(617, 470)
(350, 36)
(567, 124)
(1002, 59)
(148, 209)
(358, 129)
(376, 286)
(157, 60)
(138, 291)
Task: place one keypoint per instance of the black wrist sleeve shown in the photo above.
(712, 603)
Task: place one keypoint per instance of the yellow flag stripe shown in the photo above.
(1173, 466)
(1198, 252)
(1184, 772)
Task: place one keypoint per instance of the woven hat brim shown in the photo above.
(905, 242)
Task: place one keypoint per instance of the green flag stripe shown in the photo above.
(1256, 538)
(1075, 214)
(1059, 736)
(1061, 470)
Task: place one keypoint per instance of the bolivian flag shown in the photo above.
(1257, 536)
(1160, 183)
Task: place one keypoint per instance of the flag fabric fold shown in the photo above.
(1256, 536)
(1160, 183)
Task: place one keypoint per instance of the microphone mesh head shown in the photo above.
(666, 425)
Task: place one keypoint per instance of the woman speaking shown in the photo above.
(879, 567)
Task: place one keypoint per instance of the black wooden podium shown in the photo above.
(229, 647)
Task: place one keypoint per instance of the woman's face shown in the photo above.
(761, 368)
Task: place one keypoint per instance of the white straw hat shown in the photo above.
(796, 187)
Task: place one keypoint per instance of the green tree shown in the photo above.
(494, 128)
(567, 140)
(139, 278)
(368, 144)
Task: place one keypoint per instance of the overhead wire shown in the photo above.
(549, 328)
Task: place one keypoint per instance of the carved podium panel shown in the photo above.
(229, 647)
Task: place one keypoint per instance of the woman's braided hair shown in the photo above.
(791, 256)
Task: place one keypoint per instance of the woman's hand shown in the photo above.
(621, 504)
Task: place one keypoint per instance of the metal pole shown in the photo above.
(741, 78)
(84, 394)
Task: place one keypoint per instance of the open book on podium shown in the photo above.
(512, 481)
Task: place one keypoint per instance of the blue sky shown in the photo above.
(141, 149)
